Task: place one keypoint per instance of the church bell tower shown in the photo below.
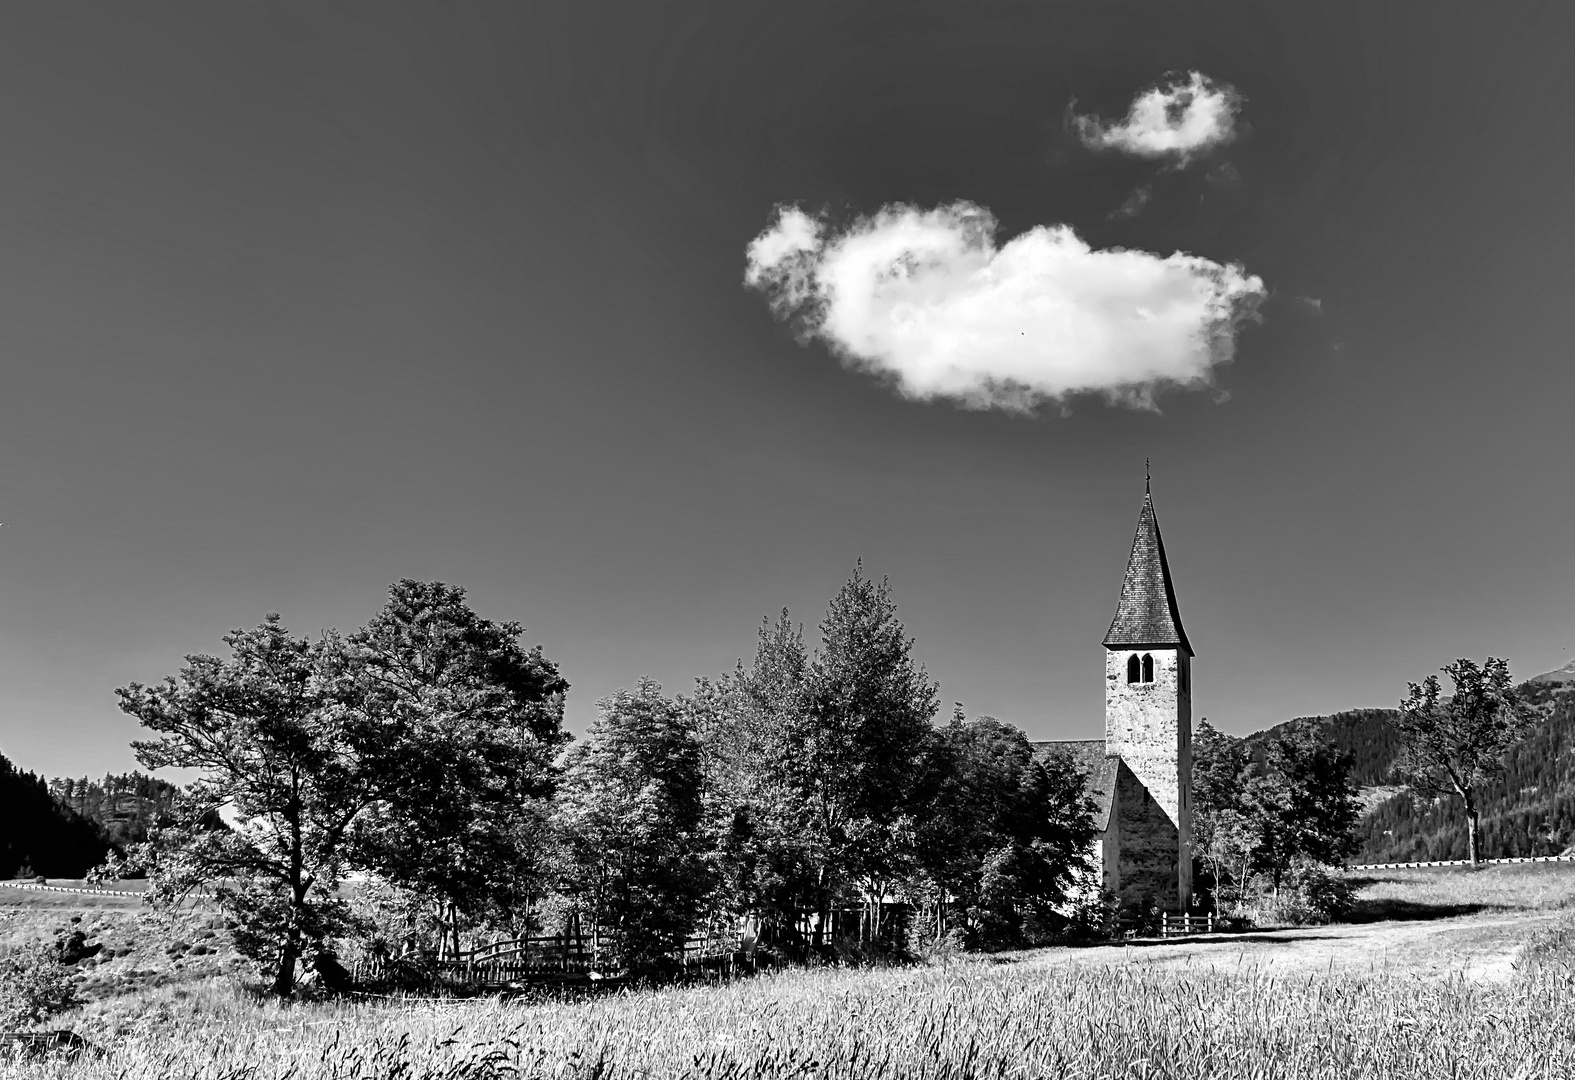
(1148, 726)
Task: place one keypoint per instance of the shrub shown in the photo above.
(1310, 894)
(35, 984)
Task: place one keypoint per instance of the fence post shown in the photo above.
(1164, 924)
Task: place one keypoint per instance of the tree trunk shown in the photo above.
(1471, 827)
(284, 980)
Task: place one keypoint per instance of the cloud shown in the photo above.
(1223, 175)
(1179, 119)
(1134, 204)
(927, 300)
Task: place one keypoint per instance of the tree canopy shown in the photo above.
(629, 816)
(1456, 743)
(398, 749)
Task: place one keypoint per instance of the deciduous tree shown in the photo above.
(1004, 832)
(268, 742)
(413, 749)
(1302, 805)
(1455, 743)
(629, 814)
(474, 721)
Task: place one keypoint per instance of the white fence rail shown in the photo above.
(1460, 862)
(71, 889)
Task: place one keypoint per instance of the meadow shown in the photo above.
(1217, 1009)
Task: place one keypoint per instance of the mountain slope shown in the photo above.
(1365, 734)
(1529, 810)
(1565, 674)
(39, 835)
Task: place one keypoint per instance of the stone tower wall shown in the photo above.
(1149, 725)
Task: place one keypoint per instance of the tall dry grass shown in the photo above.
(969, 1019)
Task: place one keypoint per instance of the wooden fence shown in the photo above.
(1165, 924)
(545, 958)
(1184, 925)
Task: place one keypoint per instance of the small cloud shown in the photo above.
(1223, 175)
(1312, 303)
(1180, 119)
(927, 300)
(1134, 204)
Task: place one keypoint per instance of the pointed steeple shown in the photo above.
(1146, 614)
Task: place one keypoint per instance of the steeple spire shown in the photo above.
(1146, 613)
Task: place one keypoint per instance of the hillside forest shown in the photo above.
(1528, 810)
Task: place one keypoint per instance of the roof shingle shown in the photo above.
(1098, 769)
(1146, 614)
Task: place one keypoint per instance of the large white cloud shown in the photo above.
(1179, 119)
(926, 299)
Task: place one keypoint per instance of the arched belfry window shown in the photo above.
(1134, 672)
(1148, 667)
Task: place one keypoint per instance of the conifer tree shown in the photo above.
(856, 760)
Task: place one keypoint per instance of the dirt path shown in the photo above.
(1479, 947)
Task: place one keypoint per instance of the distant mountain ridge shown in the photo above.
(1365, 734)
(1565, 674)
(1529, 810)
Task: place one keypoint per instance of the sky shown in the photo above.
(643, 321)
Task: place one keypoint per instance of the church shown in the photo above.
(1140, 773)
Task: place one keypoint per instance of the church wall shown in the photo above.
(1149, 725)
(1148, 843)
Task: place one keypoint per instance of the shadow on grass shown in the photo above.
(1257, 938)
(1385, 910)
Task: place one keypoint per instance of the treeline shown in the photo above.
(1528, 810)
(1272, 819)
(37, 834)
(807, 795)
(125, 807)
(64, 827)
(1366, 736)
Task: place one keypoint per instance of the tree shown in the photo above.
(396, 750)
(629, 815)
(1003, 832)
(1219, 828)
(1459, 742)
(751, 720)
(262, 729)
(856, 754)
(1302, 805)
(465, 823)
(1296, 808)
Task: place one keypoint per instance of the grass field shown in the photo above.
(1296, 1005)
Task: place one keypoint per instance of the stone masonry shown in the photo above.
(1140, 774)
